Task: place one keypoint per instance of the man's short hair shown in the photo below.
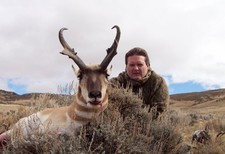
(137, 51)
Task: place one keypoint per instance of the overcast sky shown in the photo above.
(185, 40)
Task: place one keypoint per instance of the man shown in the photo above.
(143, 80)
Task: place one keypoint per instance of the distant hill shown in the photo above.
(193, 96)
(10, 97)
(202, 102)
(200, 96)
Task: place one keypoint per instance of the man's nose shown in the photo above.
(136, 67)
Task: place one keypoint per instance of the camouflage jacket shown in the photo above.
(153, 90)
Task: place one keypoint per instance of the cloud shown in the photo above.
(185, 39)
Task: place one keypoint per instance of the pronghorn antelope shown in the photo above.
(201, 136)
(91, 98)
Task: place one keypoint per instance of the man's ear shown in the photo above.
(125, 68)
(149, 68)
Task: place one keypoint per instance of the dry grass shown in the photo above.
(125, 127)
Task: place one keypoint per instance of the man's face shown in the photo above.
(136, 67)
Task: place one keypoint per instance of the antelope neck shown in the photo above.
(84, 110)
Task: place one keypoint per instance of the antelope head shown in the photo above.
(93, 80)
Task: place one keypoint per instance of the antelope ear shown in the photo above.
(76, 71)
(109, 70)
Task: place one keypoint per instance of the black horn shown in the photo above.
(112, 51)
(70, 51)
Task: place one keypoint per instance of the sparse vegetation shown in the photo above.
(125, 127)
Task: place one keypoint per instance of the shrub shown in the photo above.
(124, 127)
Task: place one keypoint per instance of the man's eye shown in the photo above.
(140, 65)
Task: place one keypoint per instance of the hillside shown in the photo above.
(212, 100)
(10, 97)
(200, 96)
(188, 113)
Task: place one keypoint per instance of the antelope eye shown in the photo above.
(106, 76)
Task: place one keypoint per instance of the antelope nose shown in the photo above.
(95, 94)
